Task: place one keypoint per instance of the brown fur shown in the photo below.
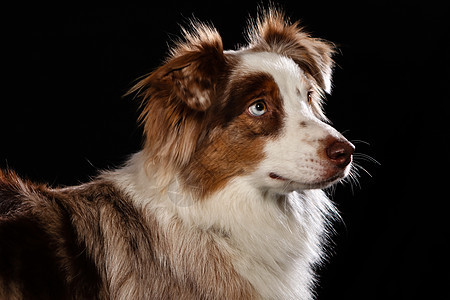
(242, 140)
(176, 96)
(273, 33)
(89, 242)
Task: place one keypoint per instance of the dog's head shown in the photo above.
(211, 116)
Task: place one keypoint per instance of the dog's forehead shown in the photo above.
(286, 73)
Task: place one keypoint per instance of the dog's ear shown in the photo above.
(272, 32)
(177, 95)
(195, 66)
(191, 71)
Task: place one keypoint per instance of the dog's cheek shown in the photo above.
(231, 153)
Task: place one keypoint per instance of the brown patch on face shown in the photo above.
(235, 145)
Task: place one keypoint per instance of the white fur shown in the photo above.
(275, 238)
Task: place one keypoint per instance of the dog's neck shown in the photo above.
(270, 236)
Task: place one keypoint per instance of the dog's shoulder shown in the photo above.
(27, 264)
(21, 200)
(42, 249)
(11, 202)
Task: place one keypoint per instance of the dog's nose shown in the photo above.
(340, 152)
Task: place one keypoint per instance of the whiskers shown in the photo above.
(360, 165)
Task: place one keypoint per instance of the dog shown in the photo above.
(224, 201)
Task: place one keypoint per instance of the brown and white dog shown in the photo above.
(223, 202)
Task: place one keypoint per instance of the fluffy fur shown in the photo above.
(223, 202)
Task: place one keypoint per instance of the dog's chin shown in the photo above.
(324, 183)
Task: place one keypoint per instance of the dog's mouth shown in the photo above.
(277, 177)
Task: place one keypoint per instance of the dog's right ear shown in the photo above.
(176, 95)
(273, 32)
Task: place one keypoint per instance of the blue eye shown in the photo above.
(258, 108)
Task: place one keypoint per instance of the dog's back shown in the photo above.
(90, 242)
(43, 246)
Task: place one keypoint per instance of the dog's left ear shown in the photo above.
(272, 32)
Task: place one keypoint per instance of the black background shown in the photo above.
(62, 117)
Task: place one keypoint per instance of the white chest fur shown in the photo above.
(273, 240)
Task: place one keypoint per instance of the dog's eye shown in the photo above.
(310, 97)
(258, 108)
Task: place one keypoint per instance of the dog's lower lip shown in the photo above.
(319, 183)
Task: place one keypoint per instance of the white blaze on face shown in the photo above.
(293, 159)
